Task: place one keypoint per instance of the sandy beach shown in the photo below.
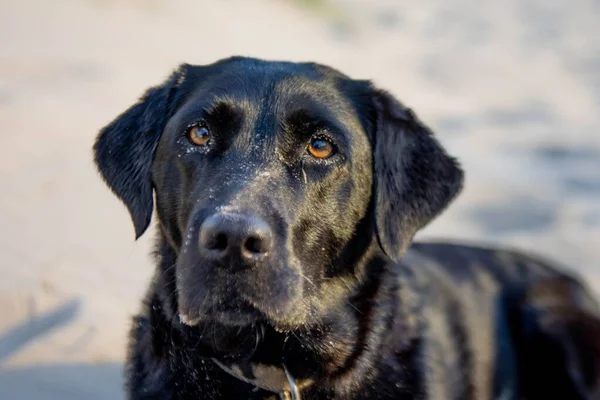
(512, 88)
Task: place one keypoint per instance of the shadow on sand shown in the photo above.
(54, 381)
(63, 381)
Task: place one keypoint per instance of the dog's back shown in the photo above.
(514, 324)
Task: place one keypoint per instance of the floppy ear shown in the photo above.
(125, 148)
(558, 336)
(414, 178)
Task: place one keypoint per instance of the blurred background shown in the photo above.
(512, 88)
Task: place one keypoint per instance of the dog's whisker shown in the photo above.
(307, 279)
(353, 306)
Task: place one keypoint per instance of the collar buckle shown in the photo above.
(271, 378)
(294, 392)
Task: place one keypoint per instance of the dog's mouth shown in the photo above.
(209, 291)
(231, 313)
(235, 318)
(242, 304)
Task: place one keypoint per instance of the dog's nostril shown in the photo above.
(219, 242)
(213, 236)
(254, 245)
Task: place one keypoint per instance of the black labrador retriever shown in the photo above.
(287, 197)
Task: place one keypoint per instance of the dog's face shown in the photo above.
(261, 176)
(272, 181)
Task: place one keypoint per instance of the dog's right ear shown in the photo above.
(124, 149)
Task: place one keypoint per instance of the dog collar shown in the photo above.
(268, 377)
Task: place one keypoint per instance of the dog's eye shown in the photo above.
(321, 148)
(198, 135)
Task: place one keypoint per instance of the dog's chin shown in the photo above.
(228, 318)
(279, 319)
(230, 313)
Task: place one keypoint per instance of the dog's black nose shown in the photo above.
(226, 235)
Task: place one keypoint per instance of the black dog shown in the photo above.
(288, 195)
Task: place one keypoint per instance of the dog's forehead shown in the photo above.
(273, 88)
(254, 78)
(269, 71)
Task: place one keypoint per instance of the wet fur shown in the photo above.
(345, 299)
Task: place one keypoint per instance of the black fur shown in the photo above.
(340, 298)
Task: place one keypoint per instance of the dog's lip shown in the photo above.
(194, 321)
(248, 313)
(188, 320)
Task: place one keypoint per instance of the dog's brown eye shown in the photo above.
(320, 148)
(198, 135)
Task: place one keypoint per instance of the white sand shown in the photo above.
(513, 90)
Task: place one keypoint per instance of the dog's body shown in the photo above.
(288, 195)
(447, 324)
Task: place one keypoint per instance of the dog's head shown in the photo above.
(272, 181)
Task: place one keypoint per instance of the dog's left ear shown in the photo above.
(124, 149)
(414, 178)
